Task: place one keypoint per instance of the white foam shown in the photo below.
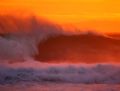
(63, 73)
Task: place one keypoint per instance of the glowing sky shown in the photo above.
(101, 15)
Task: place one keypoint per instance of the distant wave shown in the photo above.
(60, 73)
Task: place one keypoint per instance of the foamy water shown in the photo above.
(33, 71)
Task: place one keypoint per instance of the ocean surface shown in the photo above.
(59, 87)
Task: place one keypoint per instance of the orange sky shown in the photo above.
(100, 15)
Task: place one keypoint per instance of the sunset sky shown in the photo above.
(99, 15)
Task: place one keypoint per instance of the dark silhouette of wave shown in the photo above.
(87, 48)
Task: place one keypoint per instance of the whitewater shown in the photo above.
(36, 76)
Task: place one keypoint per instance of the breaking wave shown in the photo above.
(19, 36)
(31, 37)
(60, 73)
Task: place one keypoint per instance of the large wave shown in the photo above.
(31, 37)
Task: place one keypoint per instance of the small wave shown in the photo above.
(62, 73)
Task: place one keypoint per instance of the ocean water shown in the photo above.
(59, 87)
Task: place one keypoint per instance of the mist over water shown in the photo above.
(20, 36)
